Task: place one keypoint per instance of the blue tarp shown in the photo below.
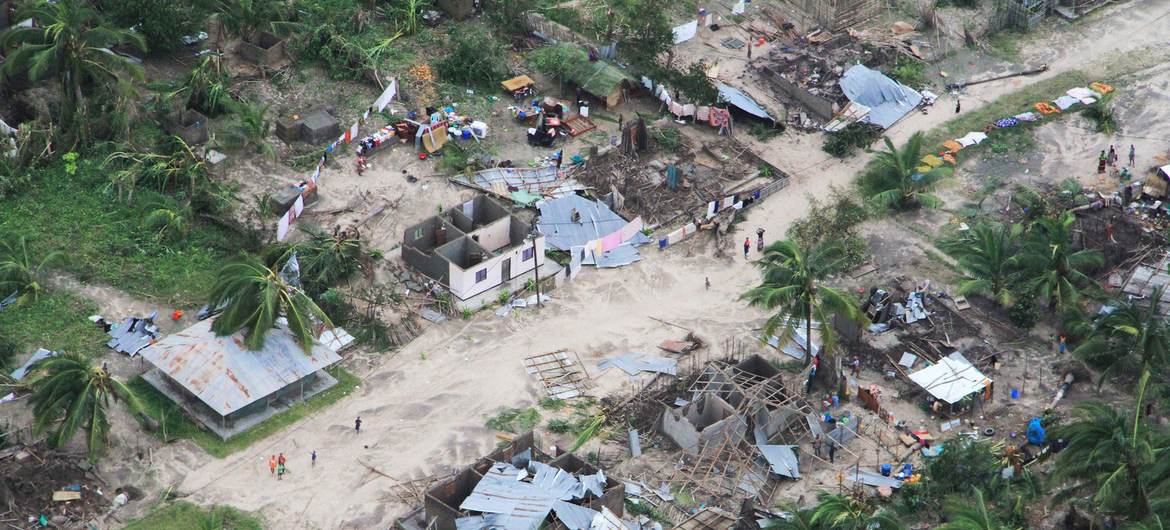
(1035, 432)
(887, 99)
(742, 102)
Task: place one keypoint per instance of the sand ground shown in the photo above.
(423, 408)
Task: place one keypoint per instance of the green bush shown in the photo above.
(855, 135)
(1023, 313)
(476, 60)
(834, 220)
(514, 420)
(908, 72)
(161, 22)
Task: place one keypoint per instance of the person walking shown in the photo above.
(856, 366)
(357, 425)
(817, 444)
(280, 460)
(1101, 161)
(361, 164)
(1132, 155)
(1062, 346)
(1112, 156)
(707, 280)
(958, 105)
(272, 465)
(747, 246)
(760, 239)
(280, 471)
(313, 458)
(832, 451)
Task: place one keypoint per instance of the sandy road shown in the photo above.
(424, 408)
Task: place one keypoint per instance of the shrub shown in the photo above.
(908, 71)
(476, 60)
(162, 22)
(855, 135)
(1023, 313)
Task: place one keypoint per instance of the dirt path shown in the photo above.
(423, 410)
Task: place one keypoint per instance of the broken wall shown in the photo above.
(700, 422)
(818, 106)
(836, 15)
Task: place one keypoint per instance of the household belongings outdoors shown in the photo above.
(519, 87)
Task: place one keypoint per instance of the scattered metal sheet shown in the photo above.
(133, 334)
(634, 363)
(782, 459)
(559, 484)
(563, 230)
(9, 300)
(574, 517)
(870, 478)
(708, 519)
(908, 359)
(498, 492)
(336, 339)
(482, 522)
(607, 520)
(621, 256)
(678, 346)
(432, 315)
(22, 370)
(562, 377)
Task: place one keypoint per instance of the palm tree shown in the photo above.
(255, 296)
(968, 514)
(324, 259)
(70, 389)
(1132, 338)
(72, 43)
(181, 165)
(250, 130)
(798, 519)
(902, 185)
(1117, 462)
(792, 285)
(985, 253)
(838, 512)
(168, 223)
(1055, 271)
(21, 271)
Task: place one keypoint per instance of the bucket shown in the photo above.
(907, 469)
(886, 468)
(466, 135)
(836, 401)
(1015, 394)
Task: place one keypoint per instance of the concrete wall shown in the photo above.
(464, 285)
(441, 503)
(700, 422)
(818, 106)
(494, 235)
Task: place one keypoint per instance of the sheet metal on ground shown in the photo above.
(561, 233)
(782, 459)
(888, 100)
(22, 370)
(873, 479)
(132, 335)
(225, 375)
(541, 181)
(634, 363)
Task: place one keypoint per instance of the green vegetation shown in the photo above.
(558, 62)
(57, 321)
(182, 515)
(162, 22)
(21, 272)
(833, 221)
(909, 72)
(174, 425)
(70, 394)
(986, 253)
(254, 296)
(856, 135)
(476, 60)
(794, 286)
(1101, 113)
(514, 420)
(1128, 340)
(896, 178)
(78, 215)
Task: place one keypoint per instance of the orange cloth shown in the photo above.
(950, 158)
(953, 146)
(1046, 108)
(1100, 88)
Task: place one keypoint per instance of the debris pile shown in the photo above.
(45, 488)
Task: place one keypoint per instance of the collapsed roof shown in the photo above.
(888, 100)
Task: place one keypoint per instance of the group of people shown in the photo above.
(1110, 158)
(747, 243)
(277, 467)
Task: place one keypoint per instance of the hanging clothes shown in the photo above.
(702, 113)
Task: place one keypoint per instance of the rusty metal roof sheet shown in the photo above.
(224, 374)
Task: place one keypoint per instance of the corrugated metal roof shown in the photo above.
(22, 370)
(561, 233)
(888, 100)
(541, 180)
(226, 376)
(782, 459)
(951, 379)
(742, 101)
(500, 492)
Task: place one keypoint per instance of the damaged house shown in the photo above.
(476, 249)
(518, 487)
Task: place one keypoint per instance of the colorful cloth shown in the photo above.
(702, 113)
(1003, 123)
(932, 161)
(688, 110)
(1027, 116)
(298, 206)
(952, 146)
(1100, 88)
(676, 108)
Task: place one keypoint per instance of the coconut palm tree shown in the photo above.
(250, 130)
(167, 222)
(798, 519)
(254, 296)
(838, 512)
(1129, 339)
(900, 183)
(793, 286)
(70, 42)
(70, 390)
(970, 514)
(985, 254)
(1117, 461)
(21, 271)
(324, 260)
(1053, 268)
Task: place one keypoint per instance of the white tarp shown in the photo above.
(387, 96)
(971, 139)
(951, 379)
(685, 32)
